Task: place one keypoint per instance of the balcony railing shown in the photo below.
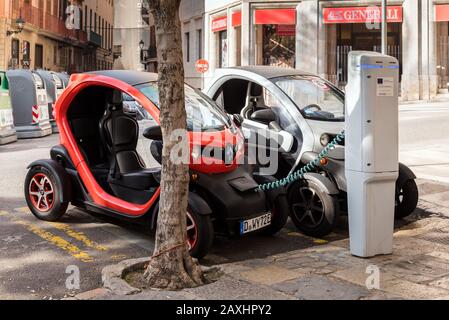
(45, 21)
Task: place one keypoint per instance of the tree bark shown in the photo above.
(171, 266)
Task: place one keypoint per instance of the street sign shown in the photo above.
(202, 66)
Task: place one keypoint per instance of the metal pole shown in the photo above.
(384, 27)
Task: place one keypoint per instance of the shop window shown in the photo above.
(275, 45)
(223, 48)
(357, 36)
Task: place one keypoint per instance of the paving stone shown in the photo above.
(230, 288)
(270, 274)
(154, 295)
(322, 288)
(441, 198)
(380, 295)
(410, 290)
(417, 269)
(93, 294)
(439, 254)
(441, 283)
(359, 276)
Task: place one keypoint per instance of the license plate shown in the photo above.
(255, 223)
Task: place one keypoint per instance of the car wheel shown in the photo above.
(279, 216)
(42, 194)
(313, 211)
(200, 233)
(406, 199)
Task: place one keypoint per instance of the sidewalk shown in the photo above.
(418, 268)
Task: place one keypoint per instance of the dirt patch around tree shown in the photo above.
(137, 280)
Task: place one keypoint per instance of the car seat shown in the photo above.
(254, 101)
(128, 176)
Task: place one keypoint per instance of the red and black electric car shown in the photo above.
(97, 165)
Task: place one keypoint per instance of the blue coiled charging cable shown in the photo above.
(309, 167)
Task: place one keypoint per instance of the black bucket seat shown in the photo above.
(129, 178)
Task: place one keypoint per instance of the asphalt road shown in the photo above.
(423, 139)
(35, 255)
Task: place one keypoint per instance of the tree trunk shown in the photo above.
(171, 266)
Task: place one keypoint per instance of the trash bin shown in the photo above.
(29, 104)
(54, 86)
(7, 131)
(65, 77)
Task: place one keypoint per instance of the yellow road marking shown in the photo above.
(118, 257)
(57, 241)
(295, 234)
(78, 236)
(320, 241)
(71, 233)
(3, 213)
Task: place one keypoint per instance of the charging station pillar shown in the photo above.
(371, 151)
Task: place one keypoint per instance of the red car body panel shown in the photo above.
(100, 197)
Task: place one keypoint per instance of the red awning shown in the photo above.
(275, 16)
(442, 12)
(237, 19)
(361, 14)
(220, 24)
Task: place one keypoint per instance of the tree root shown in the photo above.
(174, 270)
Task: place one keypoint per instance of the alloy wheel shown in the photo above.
(41, 192)
(309, 209)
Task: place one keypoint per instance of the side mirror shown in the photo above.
(153, 133)
(264, 116)
(238, 119)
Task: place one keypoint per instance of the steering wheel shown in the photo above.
(312, 106)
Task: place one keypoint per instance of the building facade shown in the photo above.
(56, 35)
(316, 36)
(134, 36)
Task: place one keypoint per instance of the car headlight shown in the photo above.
(325, 139)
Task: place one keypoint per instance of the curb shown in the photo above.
(112, 276)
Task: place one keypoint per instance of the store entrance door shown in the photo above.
(358, 37)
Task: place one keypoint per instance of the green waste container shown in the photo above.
(7, 131)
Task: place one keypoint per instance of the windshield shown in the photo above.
(202, 113)
(315, 98)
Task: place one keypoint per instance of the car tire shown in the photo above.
(313, 211)
(406, 199)
(279, 216)
(43, 194)
(200, 233)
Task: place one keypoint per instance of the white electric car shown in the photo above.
(305, 112)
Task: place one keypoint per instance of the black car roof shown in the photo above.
(270, 72)
(130, 77)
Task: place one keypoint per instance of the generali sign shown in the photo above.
(361, 14)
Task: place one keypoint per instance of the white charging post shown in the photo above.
(371, 151)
